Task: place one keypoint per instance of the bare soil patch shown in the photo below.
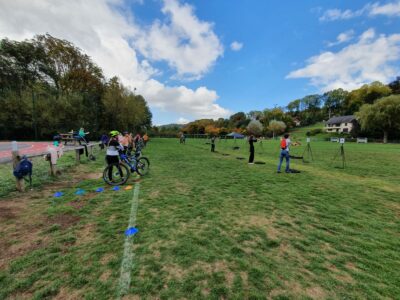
(64, 220)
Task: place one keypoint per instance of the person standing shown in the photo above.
(285, 144)
(183, 138)
(112, 155)
(103, 141)
(213, 144)
(125, 141)
(145, 139)
(252, 140)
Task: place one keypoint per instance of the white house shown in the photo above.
(343, 124)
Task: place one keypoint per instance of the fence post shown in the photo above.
(53, 161)
(15, 159)
(77, 155)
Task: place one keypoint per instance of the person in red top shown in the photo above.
(285, 144)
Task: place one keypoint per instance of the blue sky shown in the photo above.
(277, 37)
(179, 54)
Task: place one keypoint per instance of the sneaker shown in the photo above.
(288, 171)
(278, 172)
(251, 163)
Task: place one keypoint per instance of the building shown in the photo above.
(343, 124)
(297, 122)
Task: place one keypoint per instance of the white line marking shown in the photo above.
(126, 265)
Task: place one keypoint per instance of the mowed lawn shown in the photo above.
(212, 227)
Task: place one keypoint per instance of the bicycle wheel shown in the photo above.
(119, 174)
(143, 166)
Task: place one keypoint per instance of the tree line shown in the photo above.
(48, 85)
(375, 105)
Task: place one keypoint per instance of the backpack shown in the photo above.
(283, 144)
(23, 168)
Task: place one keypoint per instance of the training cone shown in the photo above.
(58, 194)
(129, 187)
(116, 188)
(79, 192)
(131, 231)
(99, 190)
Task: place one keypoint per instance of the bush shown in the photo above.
(315, 131)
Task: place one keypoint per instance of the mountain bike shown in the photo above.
(128, 164)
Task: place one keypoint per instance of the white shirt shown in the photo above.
(288, 142)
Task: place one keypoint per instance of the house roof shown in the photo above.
(341, 119)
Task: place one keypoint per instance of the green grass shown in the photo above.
(212, 227)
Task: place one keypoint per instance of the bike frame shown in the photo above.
(124, 158)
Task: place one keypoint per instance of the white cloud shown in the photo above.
(342, 38)
(236, 46)
(373, 57)
(109, 34)
(337, 14)
(182, 121)
(187, 44)
(391, 9)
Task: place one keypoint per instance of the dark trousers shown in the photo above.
(251, 158)
(212, 147)
(113, 160)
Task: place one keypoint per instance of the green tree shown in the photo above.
(395, 85)
(255, 127)
(294, 107)
(238, 120)
(276, 127)
(334, 101)
(367, 94)
(383, 115)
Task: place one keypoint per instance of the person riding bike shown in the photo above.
(112, 156)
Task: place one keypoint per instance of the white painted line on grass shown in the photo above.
(126, 265)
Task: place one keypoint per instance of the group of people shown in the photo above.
(284, 153)
(125, 139)
(124, 142)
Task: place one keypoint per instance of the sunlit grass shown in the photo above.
(212, 227)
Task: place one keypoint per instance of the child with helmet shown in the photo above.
(112, 155)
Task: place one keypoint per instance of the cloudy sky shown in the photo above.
(207, 59)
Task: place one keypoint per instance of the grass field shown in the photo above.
(211, 227)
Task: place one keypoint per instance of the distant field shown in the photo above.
(210, 226)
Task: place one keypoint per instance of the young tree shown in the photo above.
(383, 115)
(255, 127)
(334, 101)
(276, 127)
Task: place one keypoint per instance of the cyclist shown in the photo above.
(112, 156)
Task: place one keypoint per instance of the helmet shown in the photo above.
(114, 133)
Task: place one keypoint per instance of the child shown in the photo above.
(285, 144)
(82, 136)
(112, 156)
(103, 141)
